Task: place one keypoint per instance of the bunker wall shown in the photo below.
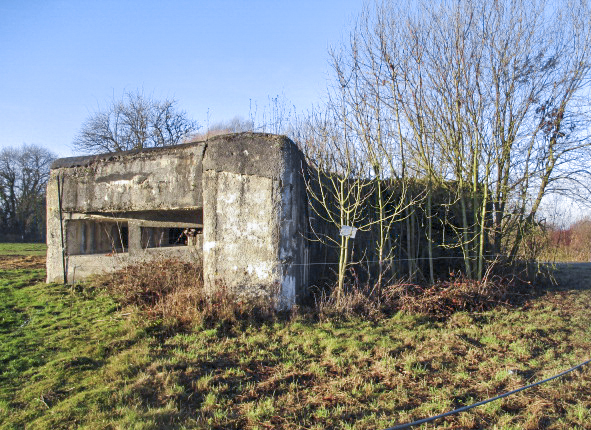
(124, 208)
(254, 218)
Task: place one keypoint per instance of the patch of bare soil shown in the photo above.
(8, 262)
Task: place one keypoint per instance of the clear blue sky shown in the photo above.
(62, 60)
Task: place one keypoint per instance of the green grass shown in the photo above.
(55, 343)
(70, 358)
(23, 249)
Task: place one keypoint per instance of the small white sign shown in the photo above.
(348, 231)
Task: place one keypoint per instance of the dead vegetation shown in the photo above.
(9, 262)
(173, 291)
(446, 297)
(439, 300)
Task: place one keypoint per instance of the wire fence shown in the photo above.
(395, 260)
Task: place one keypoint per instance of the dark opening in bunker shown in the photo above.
(163, 229)
(161, 237)
(96, 237)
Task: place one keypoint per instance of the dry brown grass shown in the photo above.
(10, 262)
(355, 301)
(446, 297)
(167, 289)
(440, 300)
(173, 290)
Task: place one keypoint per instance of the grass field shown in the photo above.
(29, 249)
(70, 357)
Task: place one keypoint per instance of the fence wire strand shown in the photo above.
(394, 260)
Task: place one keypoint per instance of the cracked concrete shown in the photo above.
(237, 202)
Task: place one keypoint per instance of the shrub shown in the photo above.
(446, 297)
(173, 291)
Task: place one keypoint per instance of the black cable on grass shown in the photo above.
(465, 408)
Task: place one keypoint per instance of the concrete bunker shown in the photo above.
(237, 203)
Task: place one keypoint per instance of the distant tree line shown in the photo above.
(570, 244)
(24, 172)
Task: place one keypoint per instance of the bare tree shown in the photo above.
(485, 99)
(337, 190)
(361, 75)
(23, 176)
(134, 122)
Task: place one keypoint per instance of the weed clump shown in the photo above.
(444, 298)
(173, 291)
(439, 300)
(355, 301)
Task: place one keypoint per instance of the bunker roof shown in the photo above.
(86, 160)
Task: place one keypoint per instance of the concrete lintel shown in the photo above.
(140, 222)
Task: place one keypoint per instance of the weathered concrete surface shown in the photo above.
(244, 192)
(294, 250)
(255, 217)
(240, 232)
(82, 266)
(154, 187)
(162, 178)
(255, 154)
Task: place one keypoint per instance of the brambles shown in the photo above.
(172, 290)
(446, 297)
(439, 300)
